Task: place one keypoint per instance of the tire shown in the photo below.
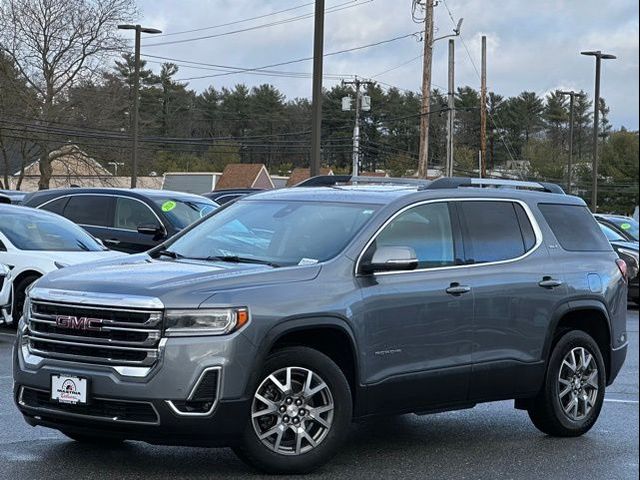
(19, 296)
(94, 439)
(285, 451)
(557, 415)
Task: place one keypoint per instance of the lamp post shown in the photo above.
(596, 119)
(136, 101)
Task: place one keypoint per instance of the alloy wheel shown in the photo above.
(578, 383)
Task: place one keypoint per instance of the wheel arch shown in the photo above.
(588, 315)
(327, 334)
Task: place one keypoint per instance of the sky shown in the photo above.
(532, 45)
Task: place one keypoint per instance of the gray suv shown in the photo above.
(277, 320)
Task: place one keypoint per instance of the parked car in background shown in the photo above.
(627, 251)
(271, 325)
(225, 196)
(15, 196)
(4, 199)
(5, 292)
(626, 227)
(33, 243)
(129, 221)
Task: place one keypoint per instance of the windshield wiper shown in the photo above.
(237, 259)
(168, 253)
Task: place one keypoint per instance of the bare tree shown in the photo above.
(56, 43)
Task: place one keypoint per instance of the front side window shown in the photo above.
(281, 233)
(46, 233)
(494, 231)
(130, 214)
(425, 228)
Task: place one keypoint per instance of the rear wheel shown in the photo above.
(573, 393)
(300, 413)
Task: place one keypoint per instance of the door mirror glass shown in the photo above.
(391, 259)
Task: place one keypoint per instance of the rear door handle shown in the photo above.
(111, 241)
(548, 282)
(457, 289)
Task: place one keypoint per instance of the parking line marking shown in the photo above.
(615, 400)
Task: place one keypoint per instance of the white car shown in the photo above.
(5, 291)
(35, 242)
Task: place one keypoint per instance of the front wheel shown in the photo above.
(570, 401)
(300, 413)
(19, 297)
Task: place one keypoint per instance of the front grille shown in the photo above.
(107, 409)
(94, 334)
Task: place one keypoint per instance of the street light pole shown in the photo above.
(136, 94)
(596, 123)
(572, 96)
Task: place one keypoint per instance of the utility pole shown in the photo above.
(483, 109)
(136, 97)
(316, 102)
(355, 159)
(596, 124)
(450, 110)
(423, 161)
(572, 96)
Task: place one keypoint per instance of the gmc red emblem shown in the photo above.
(79, 323)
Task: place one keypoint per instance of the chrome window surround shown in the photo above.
(536, 229)
(116, 196)
(193, 390)
(92, 417)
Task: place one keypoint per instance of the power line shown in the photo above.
(336, 8)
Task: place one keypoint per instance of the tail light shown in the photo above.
(622, 265)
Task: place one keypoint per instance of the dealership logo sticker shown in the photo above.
(68, 392)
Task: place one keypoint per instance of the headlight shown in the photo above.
(216, 321)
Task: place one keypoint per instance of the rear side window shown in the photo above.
(574, 227)
(93, 210)
(495, 231)
(57, 206)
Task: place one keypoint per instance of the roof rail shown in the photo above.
(331, 180)
(457, 182)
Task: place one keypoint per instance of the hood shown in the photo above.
(177, 283)
(73, 258)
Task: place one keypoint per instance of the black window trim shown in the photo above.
(115, 197)
(452, 201)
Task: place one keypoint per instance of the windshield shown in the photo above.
(46, 233)
(182, 213)
(611, 234)
(628, 225)
(275, 232)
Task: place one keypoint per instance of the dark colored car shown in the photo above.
(15, 196)
(273, 323)
(4, 199)
(626, 227)
(627, 251)
(225, 196)
(129, 221)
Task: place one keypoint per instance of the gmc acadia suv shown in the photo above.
(274, 322)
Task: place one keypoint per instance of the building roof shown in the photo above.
(244, 175)
(301, 174)
(68, 161)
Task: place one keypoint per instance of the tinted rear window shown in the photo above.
(90, 210)
(492, 231)
(574, 227)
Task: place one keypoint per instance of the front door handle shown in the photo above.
(548, 282)
(457, 289)
(111, 241)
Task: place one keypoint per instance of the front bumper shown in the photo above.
(181, 365)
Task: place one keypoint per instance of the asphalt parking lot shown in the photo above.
(489, 442)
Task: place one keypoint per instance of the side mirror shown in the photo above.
(391, 259)
(149, 229)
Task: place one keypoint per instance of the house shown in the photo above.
(301, 174)
(245, 175)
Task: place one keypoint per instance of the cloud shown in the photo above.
(532, 45)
